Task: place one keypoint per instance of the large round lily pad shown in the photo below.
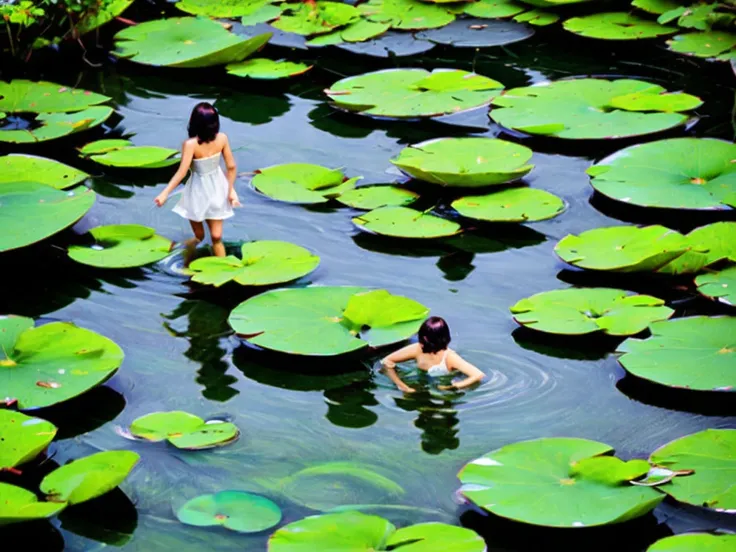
(263, 263)
(470, 33)
(407, 15)
(373, 197)
(18, 167)
(592, 108)
(578, 311)
(49, 126)
(558, 482)
(313, 18)
(184, 430)
(89, 477)
(18, 504)
(23, 96)
(703, 44)
(52, 363)
(403, 222)
(711, 455)
(32, 211)
(623, 248)
(493, 9)
(616, 26)
(185, 42)
(719, 285)
(122, 246)
(22, 437)
(407, 93)
(679, 173)
(235, 510)
(357, 532)
(124, 154)
(511, 205)
(228, 8)
(708, 245)
(465, 162)
(697, 352)
(267, 69)
(358, 31)
(695, 542)
(302, 183)
(326, 321)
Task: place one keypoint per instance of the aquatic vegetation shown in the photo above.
(184, 430)
(710, 44)
(302, 183)
(510, 205)
(18, 505)
(24, 96)
(494, 9)
(580, 109)
(577, 311)
(696, 353)
(374, 197)
(267, 69)
(558, 482)
(234, 510)
(404, 222)
(106, 11)
(52, 363)
(16, 168)
(387, 45)
(326, 320)
(321, 16)
(121, 246)
(49, 126)
(695, 542)
(23, 438)
(407, 15)
(616, 26)
(708, 245)
(358, 31)
(262, 263)
(263, 10)
(122, 153)
(719, 285)
(468, 33)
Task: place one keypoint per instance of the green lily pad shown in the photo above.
(184, 430)
(679, 173)
(695, 542)
(719, 285)
(359, 31)
(591, 108)
(493, 9)
(403, 222)
(89, 477)
(23, 96)
(313, 320)
(23, 438)
(122, 246)
(465, 162)
(226, 8)
(616, 26)
(357, 532)
(104, 146)
(32, 211)
(267, 69)
(469, 33)
(105, 12)
(704, 44)
(538, 18)
(578, 311)
(374, 197)
(551, 3)
(302, 183)
(540, 482)
(711, 455)
(697, 352)
(708, 245)
(407, 15)
(315, 18)
(52, 363)
(656, 6)
(623, 248)
(511, 205)
(401, 93)
(235, 510)
(49, 126)
(185, 42)
(16, 167)
(18, 504)
(122, 153)
(263, 263)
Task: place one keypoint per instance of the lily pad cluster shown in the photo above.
(121, 246)
(184, 430)
(122, 153)
(302, 183)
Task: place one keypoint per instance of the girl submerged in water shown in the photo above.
(433, 356)
(209, 195)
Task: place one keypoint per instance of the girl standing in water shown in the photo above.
(209, 195)
(433, 355)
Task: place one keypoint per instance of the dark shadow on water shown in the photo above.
(36, 535)
(84, 413)
(109, 519)
(592, 347)
(681, 400)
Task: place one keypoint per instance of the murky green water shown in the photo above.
(295, 413)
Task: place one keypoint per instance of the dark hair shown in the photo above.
(434, 335)
(204, 122)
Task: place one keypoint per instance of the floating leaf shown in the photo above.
(590, 108)
(373, 197)
(267, 69)
(104, 146)
(359, 31)
(655, 6)
(616, 26)
(17, 505)
(578, 311)
(538, 18)
(49, 126)
(104, 13)
(22, 437)
(184, 430)
(315, 18)
(122, 153)
(465, 162)
(695, 542)
(235, 510)
(536, 482)
(52, 363)
(389, 45)
(403, 222)
(263, 263)
(407, 15)
(697, 352)
(705, 45)
(493, 9)
(469, 33)
(511, 205)
(609, 470)
(225, 8)
(23, 96)
(302, 183)
(122, 246)
(719, 285)
(17, 167)
(708, 245)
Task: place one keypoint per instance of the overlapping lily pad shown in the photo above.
(18, 504)
(403, 222)
(389, 45)
(267, 69)
(184, 430)
(105, 12)
(18, 167)
(357, 532)
(235, 510)
(24, 96)
(326, 321)
(89, 477)
(578, 311)
(358, 31)
(230, 8)
(493, 9)
(49, 126)
(22, 437)
(465, 162)
(262, 263)
(122, 153)
(719, 285)
(470, 33)
(592, 108)
(52, 363)
(407, 15)
(558, 482)
(616, 26)
(695, 542)
(33, 211)
(623, 248)
(711, 455)
(185, 42)
(314, 18)
(697, 352)
(302, 183)
(679, 173)
(511, 205)
(707, 245)
(122, 246)
(374, 197)
(409, 93)
(707, 44)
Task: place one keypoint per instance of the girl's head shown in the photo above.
(434, 335)
(204, 123)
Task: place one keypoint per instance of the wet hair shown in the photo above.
(204, 123)
(434, 335)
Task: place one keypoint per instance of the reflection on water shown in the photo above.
(436, 418)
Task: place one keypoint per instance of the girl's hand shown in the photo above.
(161, 199)
(233, 198)
(446, 387)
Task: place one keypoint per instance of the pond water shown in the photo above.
(295, 412)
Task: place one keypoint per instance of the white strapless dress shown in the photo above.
(205, 194)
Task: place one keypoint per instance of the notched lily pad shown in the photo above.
(302, 183)
(511, 205)
(267, 69)
(18, 505)
(719, 285)
(17, 167)
(708, 244)
(374, 197)
(237, 511)
(24, 96)
(122, 153)
(695, 542)
(616, 26)
(407, 15)
(22, 437)
(403, 222)
(707, 44)
(184, 431)
(49, 126)
(470, 33)
(493, 9)
(231, 8)
(122, 246)
(314, 18)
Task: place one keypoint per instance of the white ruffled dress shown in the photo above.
(205, 194)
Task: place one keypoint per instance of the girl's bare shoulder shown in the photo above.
(190, 143)
(222, 138)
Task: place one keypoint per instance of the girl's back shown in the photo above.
(208, 149)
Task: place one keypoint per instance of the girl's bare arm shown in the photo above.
(456, 362)
(389, 364)
(232, 172)
(187, 154)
